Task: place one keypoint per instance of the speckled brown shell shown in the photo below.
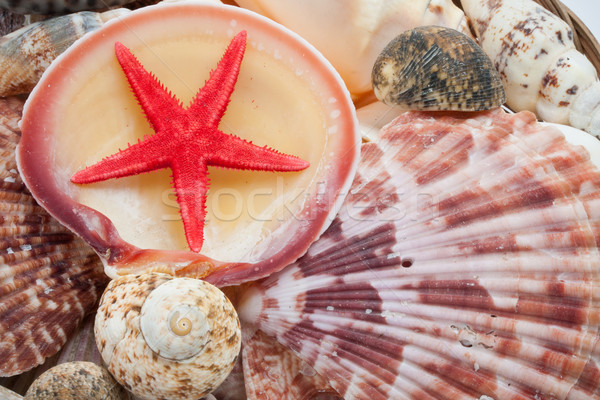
(127, 348)
(49, 279)
(76, 380)
(436, 68)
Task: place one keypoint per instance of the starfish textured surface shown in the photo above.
(187, 140)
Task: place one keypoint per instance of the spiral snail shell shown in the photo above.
(166, 337)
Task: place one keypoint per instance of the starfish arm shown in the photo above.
(191, 186)
(144, 156)
(234, 152)
(158, 104)
(211, 101)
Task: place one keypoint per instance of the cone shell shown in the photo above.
(464, 265)
(436, 68)
(26, 53)
(167, 338)
(49, 279)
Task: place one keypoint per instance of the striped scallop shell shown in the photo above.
(49, 279)
(463, 265)
(272, 371)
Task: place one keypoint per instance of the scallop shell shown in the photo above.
(436, 68)
(76, 380)
(165, 337)
(26, 53)
(49, 279)
(272, 371)
(464, 264)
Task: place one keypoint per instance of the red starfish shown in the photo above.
(187, 140)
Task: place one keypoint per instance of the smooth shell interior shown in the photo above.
(286, 97)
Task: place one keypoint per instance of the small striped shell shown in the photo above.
(436, 68)
(464, 264)
(49, 279)
(165, 337)
(27, 52)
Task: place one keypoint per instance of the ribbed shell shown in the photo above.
(436, 68)
(49, 279)
(26, 53)
(463, 265)
(271, 371)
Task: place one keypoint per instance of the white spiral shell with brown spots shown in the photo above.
(540, 67)
(165, 337)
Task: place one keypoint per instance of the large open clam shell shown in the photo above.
(464, 264)
(49, 278)
(287, 96)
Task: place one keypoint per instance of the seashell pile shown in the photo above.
(436, 68)
(458, 257)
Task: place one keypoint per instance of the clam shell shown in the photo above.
(253, 228)
(464, 264)
(49, 279)
(436, 68)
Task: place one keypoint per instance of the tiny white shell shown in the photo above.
(165, 337)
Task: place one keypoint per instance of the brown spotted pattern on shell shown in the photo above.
(436, 68)
(464, 264)
(76, 380)
(272, 371)
(165, 337)
(27, 52)
(49, 279)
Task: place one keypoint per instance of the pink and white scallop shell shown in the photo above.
(464, 264)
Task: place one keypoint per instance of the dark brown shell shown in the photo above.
(436, 68)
